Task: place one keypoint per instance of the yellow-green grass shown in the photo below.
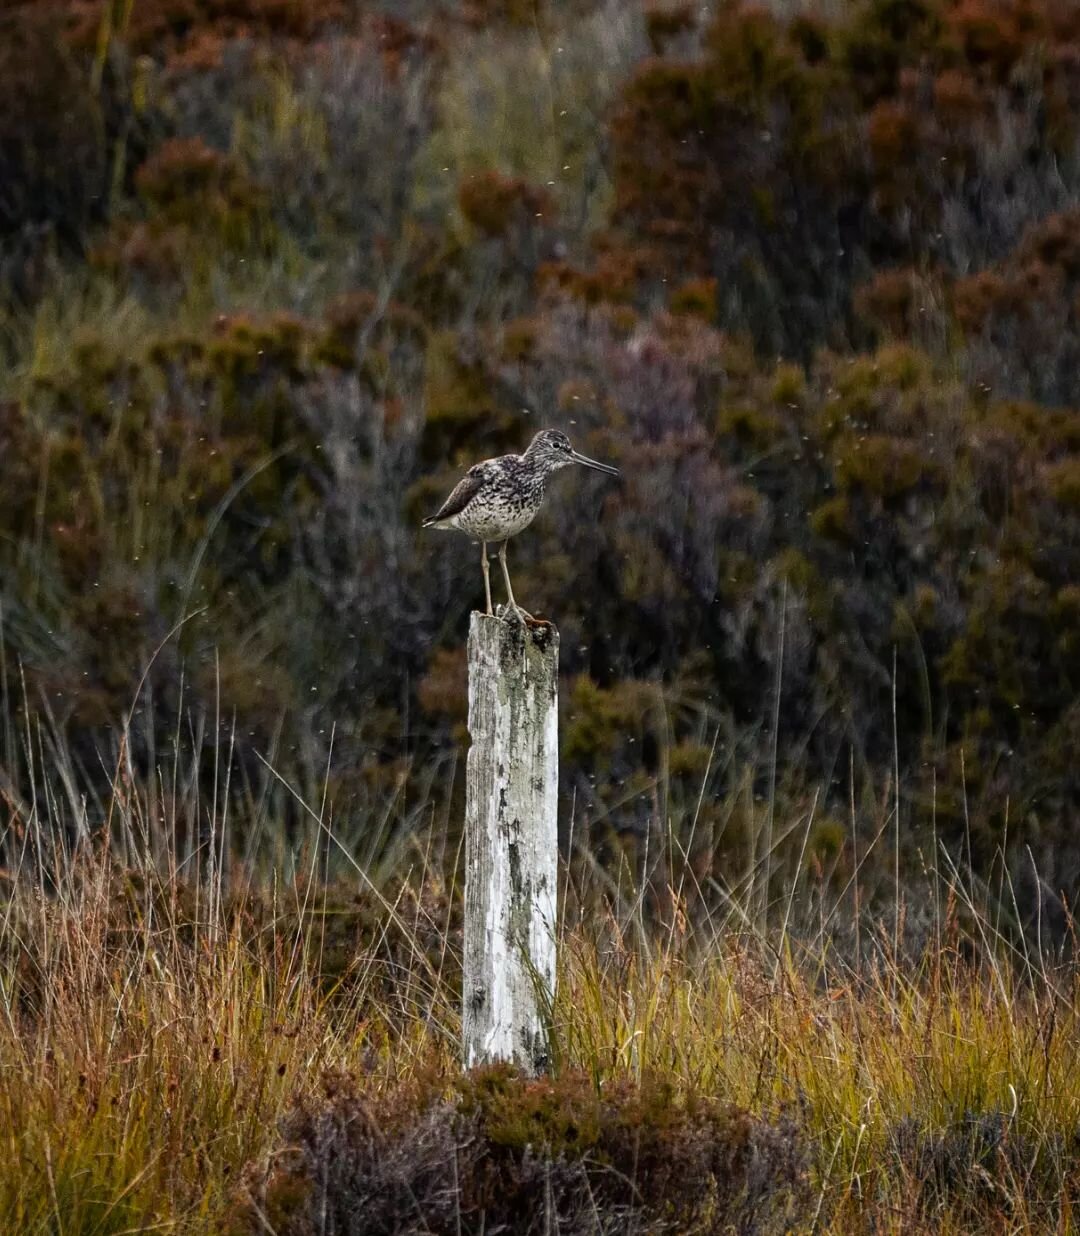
(155, 1035)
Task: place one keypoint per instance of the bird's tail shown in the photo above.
(431, 522)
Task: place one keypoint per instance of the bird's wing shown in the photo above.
(463, 494)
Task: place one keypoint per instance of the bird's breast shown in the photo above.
(500, 511)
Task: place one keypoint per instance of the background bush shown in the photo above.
(274, 274)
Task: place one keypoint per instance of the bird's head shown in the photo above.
(552, 450)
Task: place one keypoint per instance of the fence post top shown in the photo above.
(540, 634)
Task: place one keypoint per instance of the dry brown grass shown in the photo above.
(166, 1045)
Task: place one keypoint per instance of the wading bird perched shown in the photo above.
(497, 498)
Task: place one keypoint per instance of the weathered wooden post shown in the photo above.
(511, 841)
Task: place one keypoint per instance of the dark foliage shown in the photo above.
(493, 1152)
(70, 133)
(795, 158)
(969, 1164)
(882, 524)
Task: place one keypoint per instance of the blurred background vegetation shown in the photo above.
(274, 271)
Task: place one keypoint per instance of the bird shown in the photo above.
(498, 498)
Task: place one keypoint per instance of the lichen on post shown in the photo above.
(511, 842)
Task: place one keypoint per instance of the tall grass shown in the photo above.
(168, 999)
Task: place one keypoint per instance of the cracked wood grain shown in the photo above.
(511, 842)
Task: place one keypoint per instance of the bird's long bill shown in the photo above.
(592, 463)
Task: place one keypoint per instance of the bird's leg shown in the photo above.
(487, 575)
(514, 607)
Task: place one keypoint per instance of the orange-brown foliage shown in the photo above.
(495, 204)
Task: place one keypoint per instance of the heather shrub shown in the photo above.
(868, 529)
(794, 159)
(493, 1150)
(319, 289)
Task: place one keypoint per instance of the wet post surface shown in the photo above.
(511, 842)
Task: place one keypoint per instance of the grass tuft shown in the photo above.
(225, 1053)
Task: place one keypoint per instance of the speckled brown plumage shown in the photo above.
(498, 498)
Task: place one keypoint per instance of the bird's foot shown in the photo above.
(515, 613)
